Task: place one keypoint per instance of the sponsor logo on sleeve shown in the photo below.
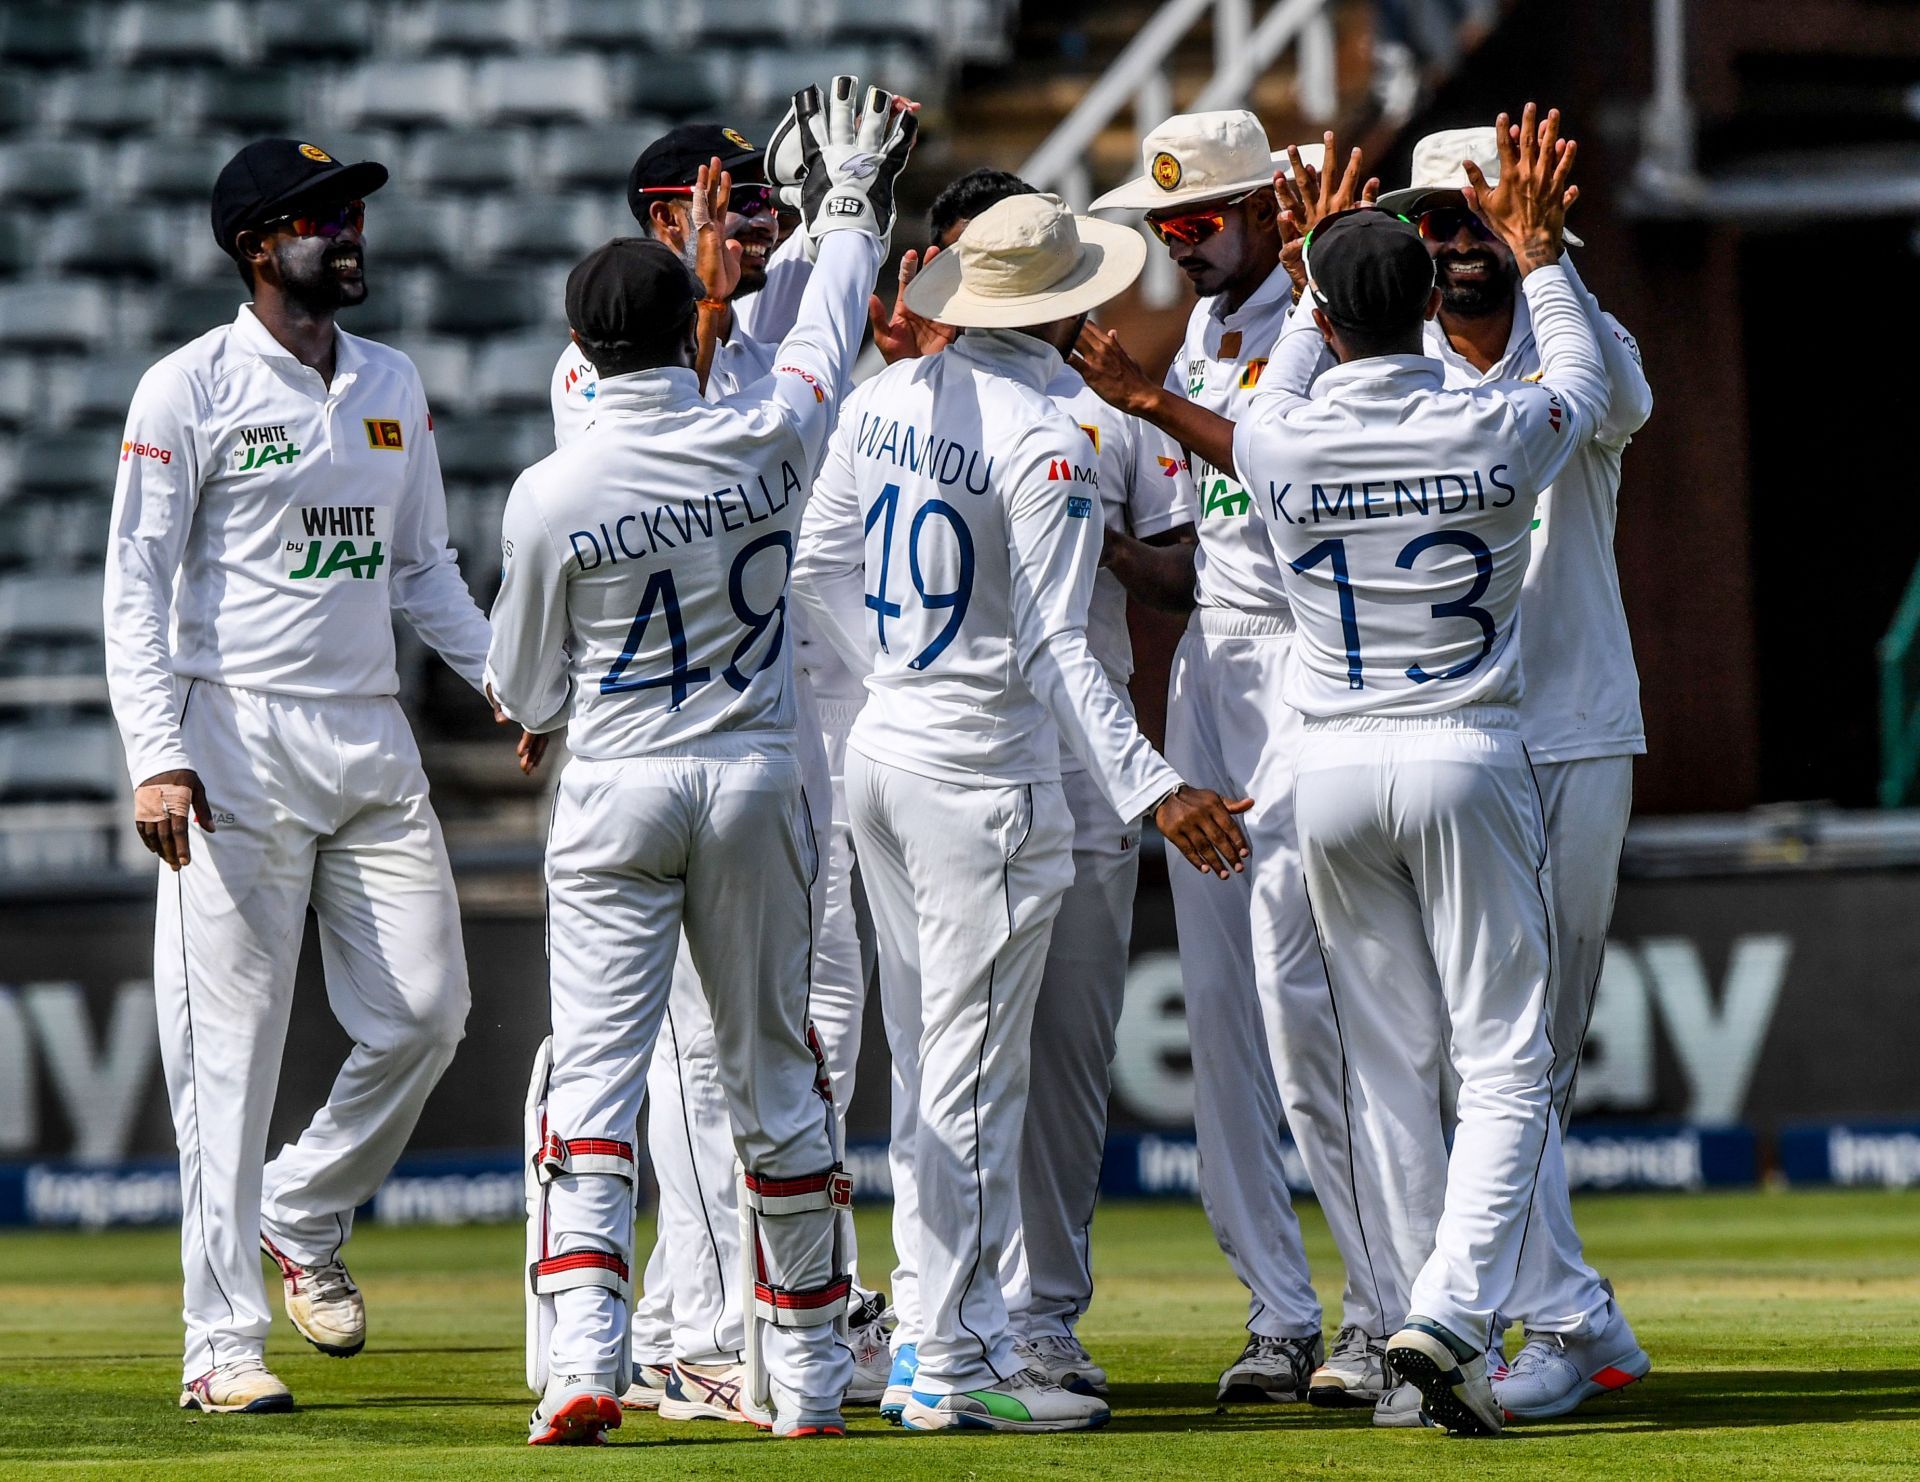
(261, 446)
(1169, 466)
(326, 542)
(819, 392)
(1078, 506)
(1554, 411)
(144, 450)
(384, 433)
(1066, 468)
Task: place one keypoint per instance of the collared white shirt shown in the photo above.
(1219, 367)
(643, 595)
(951, 545)
(1402, 510)
(267, 526)
(1583, 692)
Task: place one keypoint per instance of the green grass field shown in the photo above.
(1784, 1328)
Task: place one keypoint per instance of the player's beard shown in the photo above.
(311, 281)
(1475, 297)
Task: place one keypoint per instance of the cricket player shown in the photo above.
(1581, 719)
(653, 620)
(956, 507)
(1146, 493)
(688, 1331)
(278, 500)
(1401, 511)
(1264, 1044)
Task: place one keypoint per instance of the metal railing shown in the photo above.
(1900, 701)
(1141, 77)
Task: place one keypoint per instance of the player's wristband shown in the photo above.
(716, 305)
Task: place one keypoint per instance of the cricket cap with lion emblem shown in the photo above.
(1439, 171)
(1195, 157)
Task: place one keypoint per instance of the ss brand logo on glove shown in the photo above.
(844, 206)
(859, 166)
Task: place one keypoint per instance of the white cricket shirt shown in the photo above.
(1219, 367)
(644, 577)
(266, 526)
(1402, 510)
(1583, 692)
(951, 545)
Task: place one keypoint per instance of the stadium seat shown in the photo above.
(48, 172)
(468, 160)
(61, 34)
(597, 158)
(770, 76)
(23, 400)
(45, 314)
(20, 107)
(62, 605)
(53, 533)
(444, 366)
(174, 170)
(535, 229)
(75, 762)
(492, 451)
(573, 88)
(351, 146)
(472, 304)
(924, 21)
(736, 21)
(66, 463)
(615, 25)
(179, 33)
(684, 84)
(110, 242)
(102, 388)
(18, 244)
(112, 103)
(313, 30)
(409, 231)
(406, 94)
(518, 372)
(469, 26)
(251, 102)
(188, 310)
(385, 309)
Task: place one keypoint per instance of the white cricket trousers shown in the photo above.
(964, 882)
(1265, 1055)
(317, 802)
(1426, 860)
(1049, 1265)
(1588, 803)
(712, 839)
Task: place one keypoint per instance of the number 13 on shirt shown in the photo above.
(1334, 554)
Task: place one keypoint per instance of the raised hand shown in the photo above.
(716, 258)
(1528, 208)
(1114, 375)
(903, 334)
(1200, 823)
(851, 160)
(1311, 195)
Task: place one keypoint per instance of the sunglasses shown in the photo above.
(1195, 227)
(1443, 225)
(747, 201)
(322, 223)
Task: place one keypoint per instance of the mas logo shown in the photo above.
(145, 450)
(260, 446)
(315, 153)
(384, 432)
(1066, 468)
(1166, 170)
(323, 541)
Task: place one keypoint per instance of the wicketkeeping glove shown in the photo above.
(850, 163)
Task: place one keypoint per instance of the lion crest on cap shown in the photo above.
(1166, 170)
(734, 136)
(315, 153)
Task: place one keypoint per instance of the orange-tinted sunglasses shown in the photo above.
(1195, 227)
(351, 216)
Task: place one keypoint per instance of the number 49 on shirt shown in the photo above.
(954, 603)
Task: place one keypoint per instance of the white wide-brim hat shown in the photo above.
(1439, 172)
(1024, 261)
(1195, 157)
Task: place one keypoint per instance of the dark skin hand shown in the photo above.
(1309, 197)
(168, 838)
(903, 334)
(1156, 571)
(1116, 378)
(1200, 823)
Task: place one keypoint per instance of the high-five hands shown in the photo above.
(1309, 196)
(1528, 208)
(1200, 823)
(903, 334)
(839, 164)
(716, 258)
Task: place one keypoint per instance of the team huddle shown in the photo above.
(843, 676)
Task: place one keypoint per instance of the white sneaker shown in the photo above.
(794, 1418)
(323, 1304)
(1065, 1361)
(1556, 1373)
(1449, 1372)
(1354, 1374)
(243, 1387)
(1399, 1408)
(576, 1410)
(1029, 1401)
(1272, 1369)
(649, 1387)
(868, 1334)
(707, 1392)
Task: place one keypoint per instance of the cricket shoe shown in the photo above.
(243, 1387)
(906, 1364)
(708, 1392)
(576, 1410)
(1555, 1372)
(1029, 1401)
(796, 1420)
(1063, 1359)
(1279, 1370)
(1354, 1374)
(323, 1304)
(868, 1333)
(1451, 1375)
(1399, 1409)
(649, 1387)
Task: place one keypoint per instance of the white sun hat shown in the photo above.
(1027, 260)
(1439, 170)
(1196, 157)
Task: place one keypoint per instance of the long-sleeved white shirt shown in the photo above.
(267, 525)
(643, 592)
(1402, 510)
(1583, 692)
(950, 550)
